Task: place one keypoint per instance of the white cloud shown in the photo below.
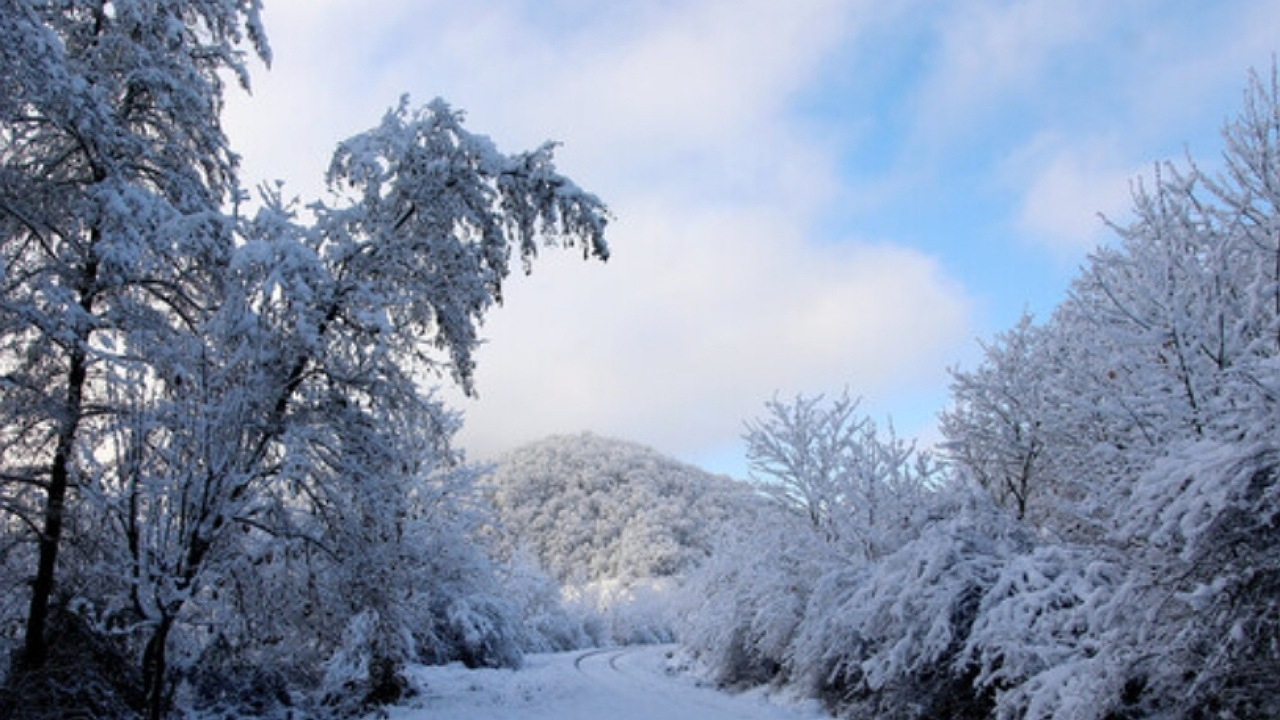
(988, 52)
(698, 320)
(665, 98)
(1061, 103)
(1069, 186)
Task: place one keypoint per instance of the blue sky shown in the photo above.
(810, 195)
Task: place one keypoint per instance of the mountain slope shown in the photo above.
(593, 509)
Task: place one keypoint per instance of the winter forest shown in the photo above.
(228, 487)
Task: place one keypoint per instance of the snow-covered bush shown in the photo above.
(15, 558)
(88, 675)
(1206, 524)
(886, 638)
(638, 612)
(1043, 640)
(550, 621)
(1176, 617)
(745, 604)
(365, 668)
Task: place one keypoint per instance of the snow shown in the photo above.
(628, 683)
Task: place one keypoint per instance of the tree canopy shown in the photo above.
(200, 398)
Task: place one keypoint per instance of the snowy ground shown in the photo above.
(633, 683)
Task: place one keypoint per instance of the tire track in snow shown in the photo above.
(637, 676)
(577, 662)
(627, 683)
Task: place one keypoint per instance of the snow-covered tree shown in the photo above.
(838, 498)
(1159, 404)
(301, 391)
(113, 173)
(208, 388)
(995, 429)
(854, 483)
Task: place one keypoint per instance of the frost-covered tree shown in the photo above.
(1157, 396)
(301, 391)
(1159, 400)
(853, 483)
(995, 429)
(838, 498)
(113, 173)
(200, 393)
(800, 451)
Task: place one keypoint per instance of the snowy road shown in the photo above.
(616, 684)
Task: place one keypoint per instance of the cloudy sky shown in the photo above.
(809, 195)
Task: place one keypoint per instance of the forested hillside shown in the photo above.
(616, 523)
(593, 509)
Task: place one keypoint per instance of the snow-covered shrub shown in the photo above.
(1043, 638)
(635, 613)
(15, 547)
(478, 629)
(746, 602)
(366, 669)
(225, 681)
(88, 674)
(886, 638)
(550, 621)
(1206, 525)
(1175, 617)
(459, 610)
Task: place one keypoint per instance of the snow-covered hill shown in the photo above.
(593, 509)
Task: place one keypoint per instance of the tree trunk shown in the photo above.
(155, 666)
(36, 648)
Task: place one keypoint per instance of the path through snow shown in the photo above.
(631, 683)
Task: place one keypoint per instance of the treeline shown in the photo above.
(1104, 540)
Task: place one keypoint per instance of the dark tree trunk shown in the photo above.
(35, 645)
(155, 666)
(36, 648)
